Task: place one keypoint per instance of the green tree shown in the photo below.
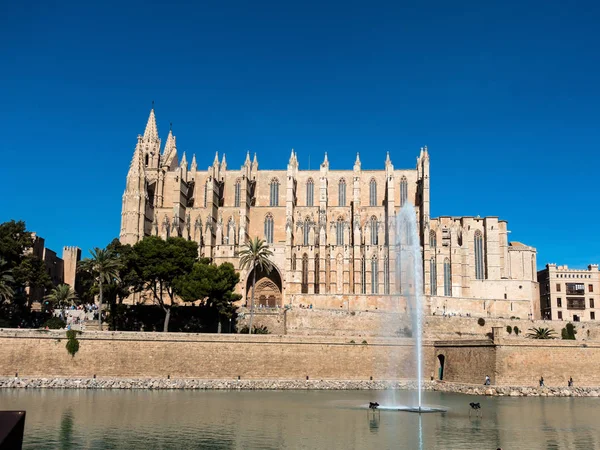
(212, 284)
(6, 280)
(569, 332)
(32, 273)
(104, 267)
(160, 264)
(15, 240)
(541, 333)
(122, 286)
(255, 255)
(62, 295)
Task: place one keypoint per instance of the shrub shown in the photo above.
(516, 330)
(509, 329)
(256, 330)
(352, 341)
(481, 321)
(568, 332)
(72, 342)
(541, 333)
(364, 342)
(407, 332)
(54, 323)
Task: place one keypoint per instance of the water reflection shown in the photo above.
(294, 420)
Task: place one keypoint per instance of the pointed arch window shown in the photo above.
(310, 192)
(238, 193)
(230, 231)
(274, 197)
(386, 275)
(363, 278)
(479, 265)
(403, 190)
(433, 276)
(432, 239)
(447, 278)
(317, 268)
(304, 287)
(373, 192)
(294, 261)
(306, 230)
(269, 229)
(342, 192)
(339, 231)
(206, 193)
(374, 275)
(373, 229)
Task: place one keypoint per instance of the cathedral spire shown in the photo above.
(357, 162)
(151, 132)
(194, 165)
(170, 152)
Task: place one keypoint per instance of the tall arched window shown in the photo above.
(238, 193)
(306, 230)
(373, 192)
(433, 276)
(339, 231)
(205, 193)
(317, 269)
(403, 190)
(447, 278)
(432, 239)
(269, 229)
(373, 229)
(294, 261)
(342, 192)
(363, 278)
(479, 266)
(274, 197)
(304, 287)
(374, 275)
(310, 192)
(386, 275)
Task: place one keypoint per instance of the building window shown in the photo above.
(559, 315)
(386, 275)
(590, 288)
(374, 275)
(403, 191)
(238, 193)
(432, 239)
(306, 230)
(317, 273)
(557, 287)
(559, 302)
(447, 278)
(342, 192)
(373, 228)
(575, 303)
(310, 192)
(205, 193)
(479, 267)
(274, 192)
(363, 278)
(339, 231)
(592, 315)
(304, 287)
(575, 288)
(373, 193)
(269, 229)
(294, 261)
(433, 276)
(592, 303)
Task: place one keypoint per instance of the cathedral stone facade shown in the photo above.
(330, 231)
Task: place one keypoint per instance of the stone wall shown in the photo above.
(127, 354)
(466, 361)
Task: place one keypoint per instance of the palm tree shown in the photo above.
(255, 254)
(104, 267)
(541, 333)
(62, 295)
(6, 278)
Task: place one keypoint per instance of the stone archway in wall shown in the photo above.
(268, 289)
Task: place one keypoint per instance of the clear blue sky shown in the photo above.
(506, 96)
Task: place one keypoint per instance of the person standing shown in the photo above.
(541, 381)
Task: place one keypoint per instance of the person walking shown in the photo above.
(541, 381)
(487, 381)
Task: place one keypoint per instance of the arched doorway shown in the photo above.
(268, 289)
(441, 361)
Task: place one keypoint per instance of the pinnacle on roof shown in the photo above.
(247, 161)
(136, 170)
(216, 160)
(357, 162)
(194, 165)
(223, 163)
(291, 156)
(170, 144)
(325, 160)
(151, 132)
(387, 158)
(183, 162)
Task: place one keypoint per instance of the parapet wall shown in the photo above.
(207, 356)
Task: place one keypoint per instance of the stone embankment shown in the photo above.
(165, 383)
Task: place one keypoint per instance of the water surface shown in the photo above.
(119, 419)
